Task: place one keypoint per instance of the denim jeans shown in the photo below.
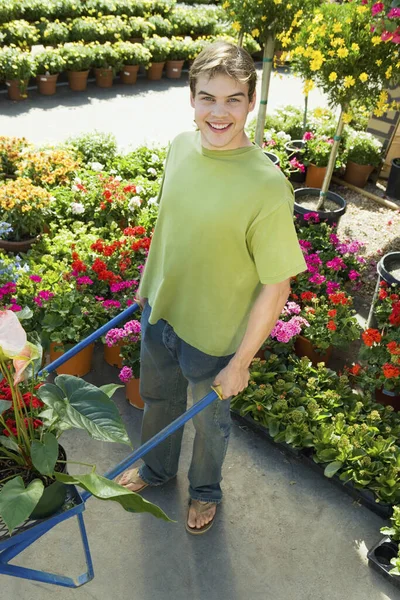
(169, 366)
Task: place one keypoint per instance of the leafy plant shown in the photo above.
(132, 54)
(53, 33)
(363, 148)
(78, 57)
(160, 26)
(159, 48)
(180, 49)
(16, 65)
(20, 33)
(24, 207)
(49, 62)
(50, 166)
(106, 57)
(94, 147)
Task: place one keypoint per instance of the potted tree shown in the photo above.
(106, 62)
(131, 57)
(334, 51)
(49, 65)
(16, 67)
(159, 48)
(363, 153)
(78, 60)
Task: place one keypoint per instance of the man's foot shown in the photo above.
(132, 481)
(201, 516)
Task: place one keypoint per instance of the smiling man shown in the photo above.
(216, 279)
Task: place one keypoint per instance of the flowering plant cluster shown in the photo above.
(49, 62)
(49, 167)
(363, 148)
(24, 207)
(128, 338)
(317, 149)
(10, 151)
(386, 20)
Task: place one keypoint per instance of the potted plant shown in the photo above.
(160, 26)
(179, 52)
(32, 465)
(16, 67)
(393, 184)
(48, 167)
(106, 62)
(130, 372)
(316, 156)
(84, 29)
(20, 33)
(24, 207)
(10, 152)
(53, 33)
(78, 60)
(159, 48)
(131, 57)
(139, 28)
(49, 65)
(364, 153)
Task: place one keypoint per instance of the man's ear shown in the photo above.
(252, 102)
(191, 99)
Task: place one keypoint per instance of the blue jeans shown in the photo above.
(168, 367)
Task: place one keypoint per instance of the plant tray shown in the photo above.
(379, 559)
(258, 428)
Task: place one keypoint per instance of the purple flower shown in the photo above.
(333, 238)
(312, 217)
(132, 327)
(114, 336)
(111, 304)
(336, 264)
(313, 262)
(354, 275)
(332, 287)
(284, 332)
(305, 245)
(125, 374)
(85, 280)
(361, 260)
(35, 278)
(317, 278)
(291, 308)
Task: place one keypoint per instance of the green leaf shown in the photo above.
(273, 428)
(105, 489)
(333, 468)
(53, 397)
(110, 388)
(5, 405)
(44, 454)
(9, 443)
(328, 454)
(17, 502)
(25, 313)
(70, 384)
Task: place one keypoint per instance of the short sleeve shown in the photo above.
(273, 244)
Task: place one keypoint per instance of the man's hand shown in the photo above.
(140, 300)
(233, 379)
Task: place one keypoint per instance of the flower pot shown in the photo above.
(154, 73)
(111, 355)
(174, 68)
(47, 84)
(298, 176)
(77, 80)
(133, 394)
(315, 176)
(295, 149)
(104, 77)
(129, 74)
(303, 347)
(79, 365)
(386, 397)
(330, 216)
(16, 247)
(357, 174)
(274, 158)
(389, 268)
(379, 558)
(393, 184)
(16, 89)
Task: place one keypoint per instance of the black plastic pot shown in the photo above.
(393, 184)
(330, 216)
(388, 263)
(295, 149)
(298, 177)
(379, 558)
(274, 158)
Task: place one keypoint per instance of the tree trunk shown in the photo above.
(240, 38)
(305, 113)
(266, 78)
(332, 159)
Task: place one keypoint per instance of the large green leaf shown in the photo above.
(53, 397)
(5, 405)
(9, 444)
(17, 502)
(105, 489)
(110, 388)
(70, 384)
(333, 468)
(44, 454)
(97, 424)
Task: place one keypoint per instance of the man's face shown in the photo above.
(221, 106)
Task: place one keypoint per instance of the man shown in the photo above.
(216, 279)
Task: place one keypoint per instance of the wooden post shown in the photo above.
(268, 57)
(240, 38)
(332, 160)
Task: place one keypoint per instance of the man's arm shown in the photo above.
(266, 310)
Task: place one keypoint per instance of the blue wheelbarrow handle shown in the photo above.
(161, 436)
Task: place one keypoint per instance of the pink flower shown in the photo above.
(35, 278)
(333, 238)
(296, 164)
(312, 217)
(15, 307)
(85, 280)
(313, 262)
(111, 304)
(386, 36)
(377, 8)
(332, 287)
(354, 275)
(132, 327)
(305, 245)
(308, 136)
(393, 13)
(125, 374)
(284, 332)
(317, 278)
(291, 308)
(336, 264)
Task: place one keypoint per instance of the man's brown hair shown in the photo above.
(223, 58)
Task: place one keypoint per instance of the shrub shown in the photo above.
(94, 147)
(363, 148)
(78, 57)
(132, 54)
(49, 62)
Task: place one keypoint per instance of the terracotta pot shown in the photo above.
(15, 247)
(388, 397)
(303, 347)
(16, 89)
(104, 77)
(112, 357)
(129, 74)
(47, 84)
(357, 174)
(154, 73)
(77, 80)
(174, 68)
(133, 394)
(315, 176)
(79, 365)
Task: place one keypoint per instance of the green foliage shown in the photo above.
(158, 47)
(160, 26)
(95, 146)
(78, 57)
(106, 57)
(132, 54)
(16, 64)
(363, 148)
(53, 33)
(180, 49)
(190, 21)
(49, 62)
(139, 161)
(20, 33)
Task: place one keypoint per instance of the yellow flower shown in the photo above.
(331, 52)
(277, 1)
(376, 40)
(349, 81)
(342, 52)
(255, 32)
(363, 77)
(333, 76)
(378, 62)
(355, 47)
(337, 27)
(236, 26)
(263, 18)
(362, 9)
(226, 4)
(308, 86)
(318, 18)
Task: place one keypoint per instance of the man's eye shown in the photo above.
(207, 98)
(233, 100)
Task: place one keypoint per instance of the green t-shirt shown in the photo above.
(225, 226)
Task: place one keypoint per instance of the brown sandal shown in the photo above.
(133, 478)
(200, 508)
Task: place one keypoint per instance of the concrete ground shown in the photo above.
(282, 533)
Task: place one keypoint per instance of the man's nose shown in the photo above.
(219, 110)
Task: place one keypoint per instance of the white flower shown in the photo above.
(118, 178)
(134, 202)
(96, 166)
(152, 200)
(77, 180)
(268, 136)
(154, 158)
(53, 199)
(112, 171)
(139, 189)
(77, 208)
(152, 171)
(74, 188)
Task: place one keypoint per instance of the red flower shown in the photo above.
(107, 195)
(332, 325)
(393, 348)
(383, 294)
(295, 297)
(307, 296)
(130, 188)
(383, 284)
(355, 369)
(370, 336)
(339, 298)
(390, 371)
(332, 313)
(99, 266)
